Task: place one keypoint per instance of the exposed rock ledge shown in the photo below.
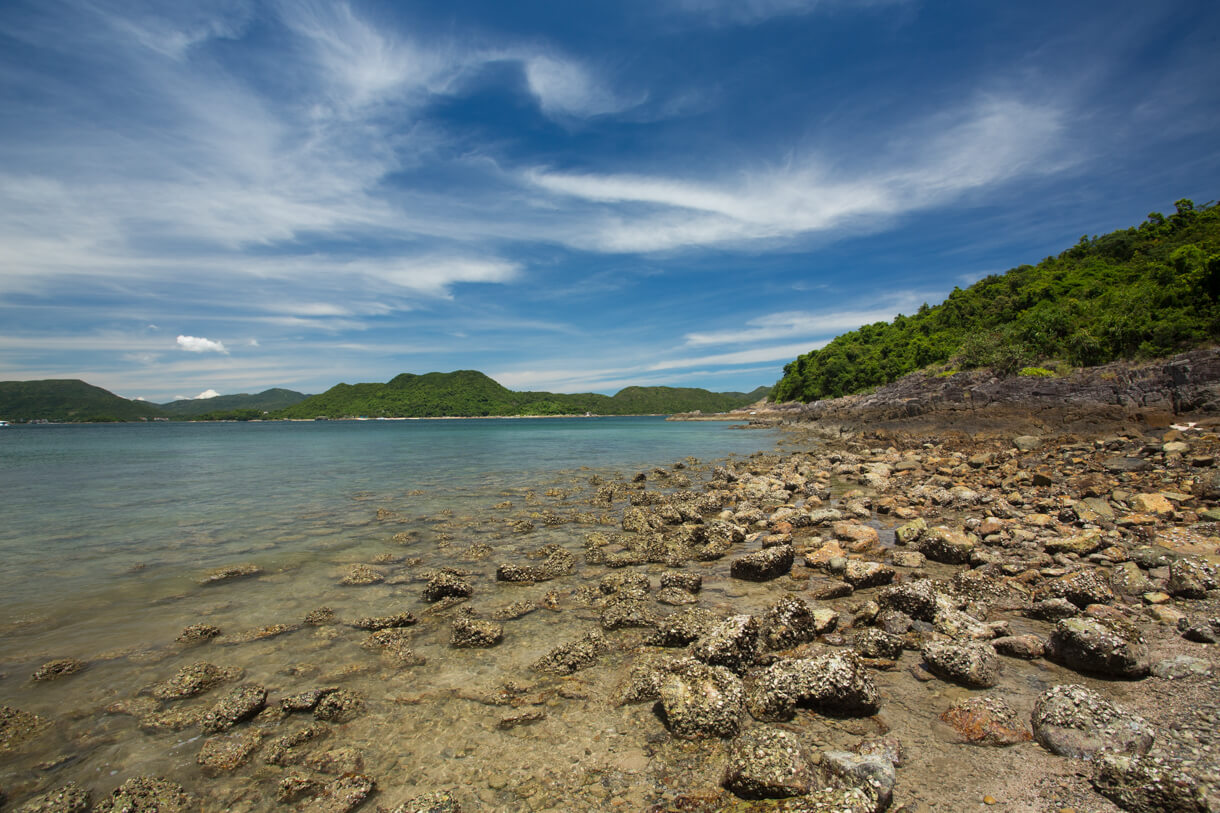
(1178, 388)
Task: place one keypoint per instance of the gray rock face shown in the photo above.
(574, 655)
(1074, 721)
(1142, 784)
(763, 565)
(766, 763)
(733, 643)
(239, 705)
(969, 663)
(699, 701)
(475, 633)
(1106, 647)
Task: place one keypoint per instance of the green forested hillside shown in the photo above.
(468, 393)
(1141, 292)
(265, 401)
(68, 400)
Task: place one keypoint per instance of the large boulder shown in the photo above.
(700, 701)
(1075, 721)
(1190, 578)
(1106, 646)
(916, 599)
(766, 763)
(970, 663)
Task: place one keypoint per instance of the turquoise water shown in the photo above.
(84, 505)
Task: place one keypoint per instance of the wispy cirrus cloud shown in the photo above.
(790, 324)
(931, 163)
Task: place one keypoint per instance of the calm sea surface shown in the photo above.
(89, 506)
(109, 531)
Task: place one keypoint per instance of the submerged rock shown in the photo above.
(573, 656)
(343, 794)
(148, 794)
(362, 575)
(474, 633)
(1075, 721)
(195, 679)
(682, 627)
(339, 706)
(71, 798)
(383, 622)
(238, 706)
(439, 801)
(226, 574)
(53, 670)
(228, 752)
(197, 633)
(1143, 784)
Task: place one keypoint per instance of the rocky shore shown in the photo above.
(879, 619)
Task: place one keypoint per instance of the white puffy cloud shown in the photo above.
(203, 396)
(198, 344)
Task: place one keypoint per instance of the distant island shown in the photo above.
(459, 394)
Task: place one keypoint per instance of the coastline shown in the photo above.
(807, 543)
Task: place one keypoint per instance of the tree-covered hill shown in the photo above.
(265, 401)
(468, 393)
(1141, 292)
(68, 400)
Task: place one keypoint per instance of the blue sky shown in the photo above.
(228, 195)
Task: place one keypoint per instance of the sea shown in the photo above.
(109, 533)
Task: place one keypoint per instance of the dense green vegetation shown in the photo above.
(234, 405)
(68, 400)
(1141, 292)
(468, 393)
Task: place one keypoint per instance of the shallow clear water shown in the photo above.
(108, 529)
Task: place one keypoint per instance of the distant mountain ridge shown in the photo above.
(470, 394)
(463, 393)
(68, 399)
(265, 401)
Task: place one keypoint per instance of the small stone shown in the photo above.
(197, 633)
(239, 705)
(470, 633)
(53, 670)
